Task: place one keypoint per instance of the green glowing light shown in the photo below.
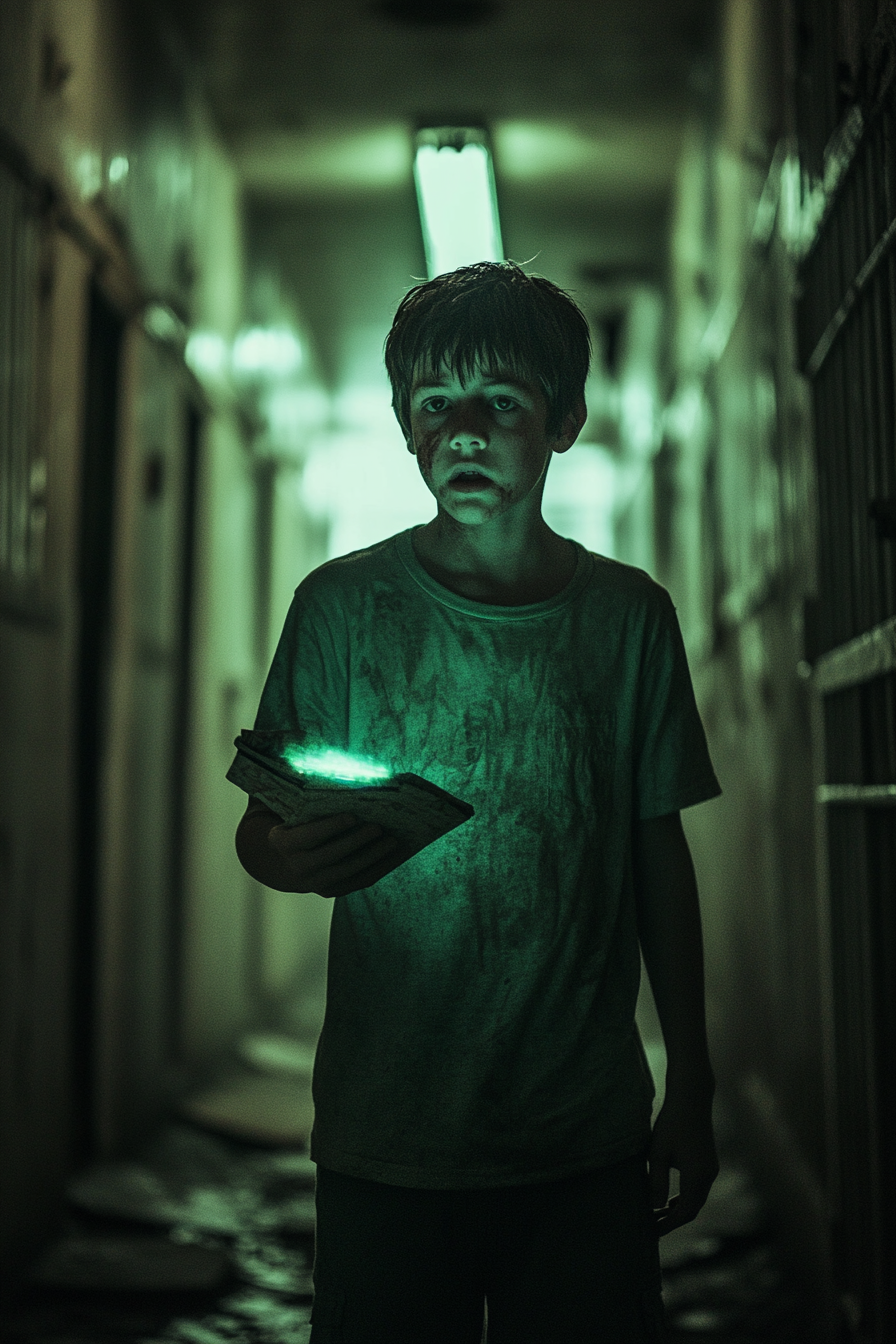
(330, 764)
(456, 193)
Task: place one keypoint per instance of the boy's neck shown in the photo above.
(485, 566)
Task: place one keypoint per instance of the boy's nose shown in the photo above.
(468, 430)
(464, 438)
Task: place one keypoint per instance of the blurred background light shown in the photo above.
(293, 415)
(638, 415)
(684, 417)
(456, 194)
(163, 324)
(597, 157)
(208, 355)
(364, 484)
(266, 352)
(87, 170)
(325, 161)
(118, 168)
(579, 498)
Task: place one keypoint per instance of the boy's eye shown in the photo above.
(435, 404)
(505, 404)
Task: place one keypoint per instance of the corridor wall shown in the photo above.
(127, 597)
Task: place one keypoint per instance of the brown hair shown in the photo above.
(492, 312)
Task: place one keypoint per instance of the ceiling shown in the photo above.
(582, 95)
(585, 100)
(282, 65)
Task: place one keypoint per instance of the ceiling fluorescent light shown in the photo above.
(456, 195)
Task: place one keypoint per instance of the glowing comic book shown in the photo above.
(303, 786)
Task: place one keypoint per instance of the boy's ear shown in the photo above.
(406, 431)
(571, 426)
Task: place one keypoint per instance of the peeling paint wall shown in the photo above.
(128, 961)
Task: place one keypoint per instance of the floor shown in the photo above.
(207, 1240)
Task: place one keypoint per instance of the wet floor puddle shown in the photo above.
(208, 1241)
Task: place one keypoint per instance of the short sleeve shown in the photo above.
(305, 690)
(674, 769)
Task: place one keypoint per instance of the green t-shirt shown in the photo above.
(480, 1018)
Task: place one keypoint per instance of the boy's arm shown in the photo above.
(672, 945)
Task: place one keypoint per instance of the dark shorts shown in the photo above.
(566, 1262)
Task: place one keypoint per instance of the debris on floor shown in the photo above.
(255, 1107)
(131, 1264)
(271, 1052)
(204, 1239)
(191, 1180)
(723, 1282)
(200, 1240)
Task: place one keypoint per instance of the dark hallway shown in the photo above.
(209, 212)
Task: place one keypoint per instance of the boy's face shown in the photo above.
(482, 446)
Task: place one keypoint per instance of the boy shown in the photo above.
(482, 1101)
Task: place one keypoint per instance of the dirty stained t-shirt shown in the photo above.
(480, 1017)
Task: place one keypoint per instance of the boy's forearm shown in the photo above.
(669, 930)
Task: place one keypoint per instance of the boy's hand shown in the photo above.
(334, 855)
(331, 857)
(682, 1138)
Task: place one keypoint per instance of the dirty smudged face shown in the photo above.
(481, 446)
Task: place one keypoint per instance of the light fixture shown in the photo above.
(456, 195)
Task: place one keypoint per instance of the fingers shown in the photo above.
(319, 845)
(366, 877)
(681, 1141)
(668, 1217)
(334, 855)
(684, 1207)
(659, 1183)
(311, 834)
(675, 1214)
(352, 873)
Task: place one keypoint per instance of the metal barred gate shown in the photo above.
(847, 331)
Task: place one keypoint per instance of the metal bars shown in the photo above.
(870, 655)
(847, 338)
(847, 322)
(865, 795)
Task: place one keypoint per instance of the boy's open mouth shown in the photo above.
(469, 477)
